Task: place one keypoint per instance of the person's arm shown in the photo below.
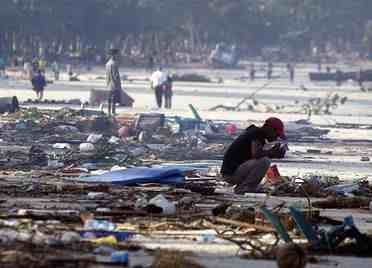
(108, 76)
(257, 151)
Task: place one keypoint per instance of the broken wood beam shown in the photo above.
(243, 224)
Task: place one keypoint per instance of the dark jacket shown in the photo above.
(38, 82)
(240, 150)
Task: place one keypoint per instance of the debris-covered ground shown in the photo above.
(80, 189)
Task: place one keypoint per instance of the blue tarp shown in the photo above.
(134, 176)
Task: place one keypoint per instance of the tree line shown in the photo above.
(146, 27)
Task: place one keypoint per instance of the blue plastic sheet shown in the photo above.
(141, 175)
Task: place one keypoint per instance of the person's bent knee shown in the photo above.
(265, 162)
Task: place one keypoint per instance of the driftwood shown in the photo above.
(243, 224)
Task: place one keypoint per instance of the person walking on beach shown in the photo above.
(158, 79)
(252, 73)
(270, 68)
(55, 69)
(38, 84)
(168, 92)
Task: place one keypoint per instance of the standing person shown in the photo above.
(338, 77)
(319, 65)
(38, 84)
(2, 66)
(55, 69)
(27, 69)
(270, 70)
(42, 65)
(252, 72)
(113, 81)
(35, 65)
(158, 78)
(245, 162)
(168, 92)
(288, 66)
(151, 62)
(360, 78)
(69, 71)
(291, 72)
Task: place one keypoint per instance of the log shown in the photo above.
(243, 224)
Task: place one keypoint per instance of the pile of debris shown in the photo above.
(33, 139)
(78, 188)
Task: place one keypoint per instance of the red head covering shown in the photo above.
(277, 125)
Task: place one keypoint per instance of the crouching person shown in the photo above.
(246, 162)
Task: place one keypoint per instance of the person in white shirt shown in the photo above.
(158, 80)
(27, 68)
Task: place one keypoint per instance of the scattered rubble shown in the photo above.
(55, 212)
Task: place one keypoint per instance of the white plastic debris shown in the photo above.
(115, 168)
(61, 146)
(96, 195)
(114, 140)
(86, 147)
(103, 209)
(70, 238)
(160, 201)
(94, 138)
(206, 238)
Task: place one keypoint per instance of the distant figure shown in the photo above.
(2, 66)
(70, 73)
(270, 70)
(151, 63)
(98, 59)
(168, 92)
(27, 69)
(35, 66)
(158, 79)
(328, 69)
(252, 72)
(319, 66)
(113, 81)
(38, 84)
(14, 61)
(55, 69)
(360, 79)
(42, 65)
(338, 77)
(291, 72)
